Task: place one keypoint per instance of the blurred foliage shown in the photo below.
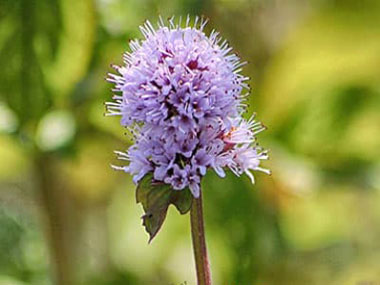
(67, 218)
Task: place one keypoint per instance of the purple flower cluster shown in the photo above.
(181, 94)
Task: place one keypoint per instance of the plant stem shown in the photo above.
(54, 201)
(199, 242)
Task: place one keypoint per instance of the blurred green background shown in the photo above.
(67, 218)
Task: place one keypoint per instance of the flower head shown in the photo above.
(183, 94)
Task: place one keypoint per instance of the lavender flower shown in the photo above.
(182, 94)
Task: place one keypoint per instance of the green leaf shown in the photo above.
(155, 198)
(182, 200)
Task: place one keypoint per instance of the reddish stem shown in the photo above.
(199, 242)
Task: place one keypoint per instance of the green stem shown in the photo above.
(199, 242)
(54, 201)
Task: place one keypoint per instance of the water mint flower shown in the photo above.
(182, 94)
